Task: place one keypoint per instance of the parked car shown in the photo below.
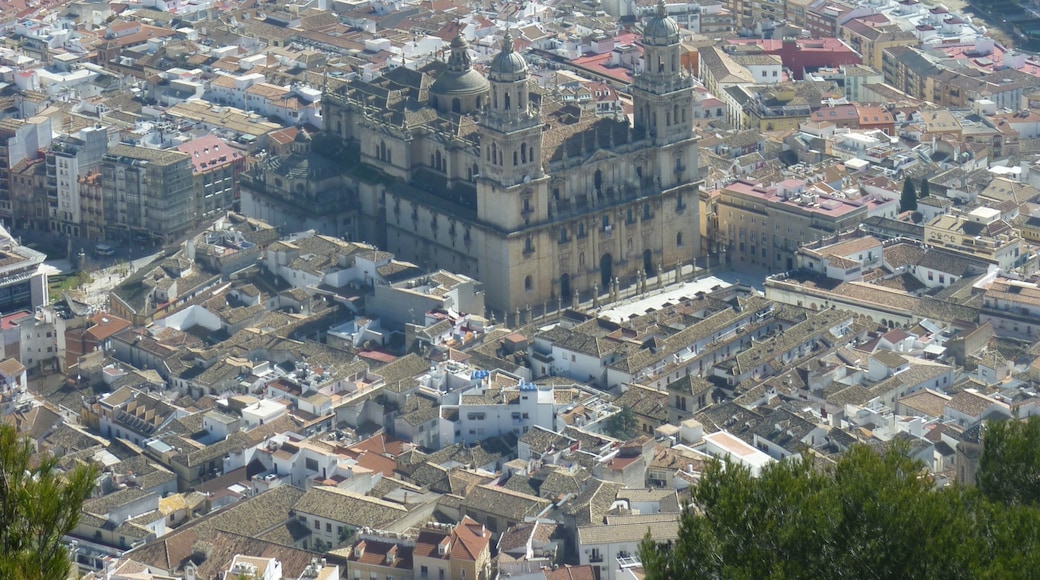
(104, 250)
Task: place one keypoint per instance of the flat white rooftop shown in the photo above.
(654, 300)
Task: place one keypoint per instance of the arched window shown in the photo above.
(523, 153)
(505, 101)
(456, 105)
(678, 239)
(528, 282)
(581, 258)
(439, 161)
(515, 157)
(494, 153)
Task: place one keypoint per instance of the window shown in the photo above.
(528, 282)
(678, 239)
(328, 528)
(317, 524)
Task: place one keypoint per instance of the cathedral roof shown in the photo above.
(453, 83)
(662, 30)
(459, 78)
(296, 166)
(576, 134)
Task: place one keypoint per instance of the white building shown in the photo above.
(614, 548)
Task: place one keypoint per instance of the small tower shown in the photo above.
(663, 92)
(662, 96)
(511, 145)
(460, 89)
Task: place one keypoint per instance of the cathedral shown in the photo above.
(539, 200)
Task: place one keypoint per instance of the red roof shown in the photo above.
(209, 152)
(7, 322)
(105, 325)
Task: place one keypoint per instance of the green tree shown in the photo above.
(39, 504)
(924, 189)
(908, 202)
(623, 424)
(1009, 470)
(874, 514)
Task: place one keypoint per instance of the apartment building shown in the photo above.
(980, 233)
(1013, 308)
(68, 158)
(20, 141)
(215, 169)
(764, 226)
(148, 193)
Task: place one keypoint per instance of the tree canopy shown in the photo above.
(1009, 470)
(623, 424)
(873, 514)
(908, 201)
(39, 504)
(925, 189)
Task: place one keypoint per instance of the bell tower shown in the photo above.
(662, 96)
(510, 191)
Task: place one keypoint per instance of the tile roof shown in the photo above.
(970, 403)
(349, 508)
(661, 531)
(927, 402)
(568, 572)
(498, 501)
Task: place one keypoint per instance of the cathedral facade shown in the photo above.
(537, 199)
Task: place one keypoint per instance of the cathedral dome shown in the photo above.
(662, 30)
(459, 78)
(452, 83)
(508, 66)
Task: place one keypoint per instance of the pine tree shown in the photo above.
(39, 504)
(873, 514)
(908, 202)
